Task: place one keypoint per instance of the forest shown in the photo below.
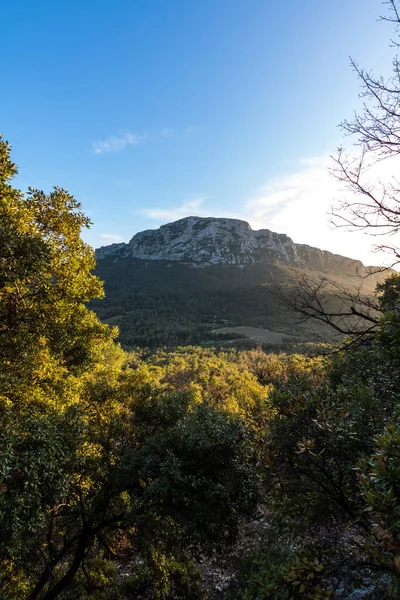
(156, 303)
(134, 474)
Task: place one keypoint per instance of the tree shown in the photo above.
(45, 280)
(375, 207)
(48, 339)
(98, 460)
(351, 314)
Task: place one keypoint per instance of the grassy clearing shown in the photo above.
(256, 334)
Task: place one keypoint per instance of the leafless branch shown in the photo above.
(351, 314)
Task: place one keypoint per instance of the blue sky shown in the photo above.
(152, 110)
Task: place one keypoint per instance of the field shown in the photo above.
(256, 334)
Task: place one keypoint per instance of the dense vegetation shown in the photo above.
(166, 303)
(159, 303)
(120, 472)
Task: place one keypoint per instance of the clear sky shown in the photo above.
(151, 110)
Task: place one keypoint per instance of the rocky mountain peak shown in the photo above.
(203, 241)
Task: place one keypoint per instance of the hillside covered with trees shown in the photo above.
(157, 303)
(122, 472)
(184, 282)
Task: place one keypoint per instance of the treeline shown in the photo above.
(120, 470)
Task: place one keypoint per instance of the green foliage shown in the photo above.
(309, 576)
(164, 576)
(218, 380)
(276, 570)
(46, 331)
(266, 579)
(102, 458)
(380, 484)
(331, 470)
(47, 339)
(118, 469)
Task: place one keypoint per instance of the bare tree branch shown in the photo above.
(374, 205)
(351, 314)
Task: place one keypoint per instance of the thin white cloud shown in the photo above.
(298, 203)
(111, 238)
(116, 143)
(190, 207)
(167, 133)
(310, 182)
(191, 130)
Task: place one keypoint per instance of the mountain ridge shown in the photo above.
(205, 241)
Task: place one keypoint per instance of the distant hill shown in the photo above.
(180, 283)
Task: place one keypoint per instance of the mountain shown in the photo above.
(212, 241)
(190, 281)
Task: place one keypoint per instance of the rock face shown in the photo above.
(213, 241)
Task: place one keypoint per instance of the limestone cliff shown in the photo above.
(219, 241)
